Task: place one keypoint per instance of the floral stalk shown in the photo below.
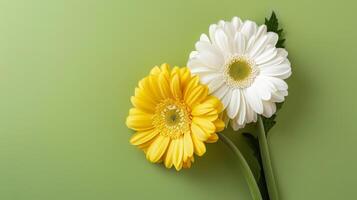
(252, 184)
(268, 169)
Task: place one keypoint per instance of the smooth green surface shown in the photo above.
(68, 68)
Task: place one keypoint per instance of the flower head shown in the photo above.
(173, 117)
(242, 67)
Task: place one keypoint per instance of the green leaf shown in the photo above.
(273, 26)
(253, 142)
(245, 167)
(269, 122)
(249, 152)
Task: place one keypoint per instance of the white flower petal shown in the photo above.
(239, 44)
(258, 46)
(202, 46)
(227, 98)
(268, 84)
(269, 108)
(215, 84)
(236, 23)
(194, 61)
(232, 108)
(206, 78)
(275, 61)
(242, 109)
(251, 116)
(282, 70)
(193, 54)
(204, 38)
(235, 125)
(278, 96)
(236, 39)
(268, 54)
(222, 42)
(209, 54)
(284, 92)
(197, 66)
(263, 90)
(281, 56)
(253, 100)
(249, 28)
(229, 30)
(221, 23)
(200, 69)
(273, 38)
(221, 91)
(212, 31)
(211, 60)
(262, 30)
(278, 83)
(255, 117)
(282, 52)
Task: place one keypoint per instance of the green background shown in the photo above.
(68, 68)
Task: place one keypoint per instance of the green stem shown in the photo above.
(252, 184)
(268, 169)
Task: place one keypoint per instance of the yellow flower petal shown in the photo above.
(220, 107)
(137, 111)
(169, 154)
(201, 109)
(206, 125)
(205, 111)
(173, 116)
(176, 86)
(219, 125)
(164, 86)
(175, 70)
(153, 82)
(215, 102)
(146, 96)
(165, 68)
(185, 77)
(146, 145)
(199, 146)
(143, 105)
(155, 71)
(188, 163)
(211, 116)
(139, 120)
(199, 132)
(149, 88)
(188, 146)
(157, 148)
(193, 83)
(224, 117)
(213, 138)
(178, 154)
(197, 95)
(143, 136)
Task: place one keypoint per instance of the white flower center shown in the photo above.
(240, 72)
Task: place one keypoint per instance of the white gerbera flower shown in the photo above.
(242, 67)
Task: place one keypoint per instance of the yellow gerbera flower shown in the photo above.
(173, 116)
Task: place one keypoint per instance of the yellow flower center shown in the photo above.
(240, 72)
(172, 118)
